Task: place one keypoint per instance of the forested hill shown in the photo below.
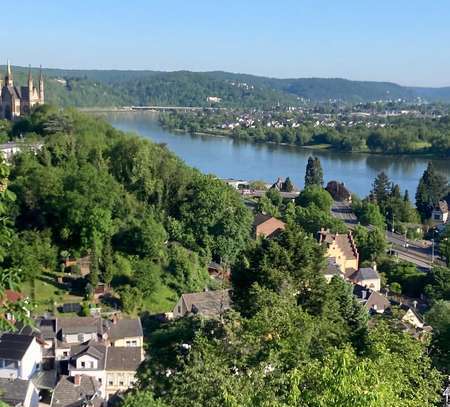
(100, 88)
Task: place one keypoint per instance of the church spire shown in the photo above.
(41, 86)
(30, 79)
(9, 75)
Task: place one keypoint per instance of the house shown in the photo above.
(114, 367)
(77, 391)
(341, 248)
(332, 270)
(339, 192)
(208, 304)
(412, 317)
(440, 212)
(267, 226)
(122, 364)
(372, 300)
(367, 277)
(20, 356)
(237, 183)
(18, 393)
(72, 331)
(125, 332)
(89, 359)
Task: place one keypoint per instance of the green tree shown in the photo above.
(131, 298)
(432, 187)
(317, 196)
(288, 185)
(381, 189)
(314, 173)
(439, 319)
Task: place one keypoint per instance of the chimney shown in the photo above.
(363, 294)
(77, 380)
(414, 304)
(374, 266)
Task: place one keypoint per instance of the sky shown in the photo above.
(402, 41)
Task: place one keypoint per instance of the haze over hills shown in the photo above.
(105, 88)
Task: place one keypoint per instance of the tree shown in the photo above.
(314, 173)
(9, 277)
(131, 298)
(432, 187)
(288, 185)
(381, 189)
(439, 319)
(438, 287)
(315, 195)
(368, 213)
(141, 399)
(371, 244)
(444, 244)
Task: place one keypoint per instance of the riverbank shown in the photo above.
(313, 147)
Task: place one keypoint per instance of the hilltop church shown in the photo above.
(15, 101)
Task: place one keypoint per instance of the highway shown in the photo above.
(418, 252)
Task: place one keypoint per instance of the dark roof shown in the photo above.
(75, 325)
(14, 346)
(47, 327)
(123, 358)
(365, 273)
(208, 303)
(371, 299)
(13, 392)
(67, 394)
(44, 379)
(332, 268)
(260, 218)
(71, 307)
(407, 308)
(125, 328)
(91, 348)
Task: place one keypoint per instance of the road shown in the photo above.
(418, 252)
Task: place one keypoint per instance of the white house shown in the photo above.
(90, 360)
(440, 212)
(20, 356)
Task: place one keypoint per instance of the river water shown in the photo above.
(242, 160)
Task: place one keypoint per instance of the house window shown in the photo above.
(128, 343)
(99, 380)
(134, 343)
(83, 364)
(11, 364)
(65, 353)
(111, 383)
(92, 365)
(121, 383)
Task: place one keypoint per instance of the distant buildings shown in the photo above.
(15, 101)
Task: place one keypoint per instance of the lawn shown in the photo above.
(47, 289)
(163, 300)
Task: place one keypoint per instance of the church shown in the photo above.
(15, 101)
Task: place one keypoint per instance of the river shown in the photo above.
(227, 158)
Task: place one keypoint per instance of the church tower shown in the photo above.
(41, 87)
(9, 76)
(30, 81)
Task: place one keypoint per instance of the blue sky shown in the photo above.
(398, 40)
